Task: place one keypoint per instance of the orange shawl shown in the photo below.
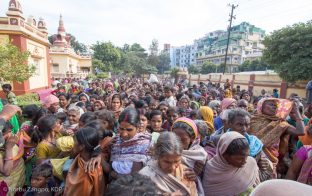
(78, 182)
(306, 139)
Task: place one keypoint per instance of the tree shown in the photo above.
(288, 50)
(255, 65)
(13, 64)
(154, 47)
(98, 65)
(208, 68)
(107, 53)
(193, 69)
(164, 62)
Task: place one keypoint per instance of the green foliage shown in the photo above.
(256, 65)
(98, 65)
(91, 77)
(102, 75)
(288, 50)
(164, 62)
(154, 47)
(193, 69)
(107, 53)
(208, 68)
(174, 72)
(13, 64)
(27, 99)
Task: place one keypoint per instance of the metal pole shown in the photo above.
(228, 39)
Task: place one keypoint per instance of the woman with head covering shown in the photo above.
(51, 103)
(270, 127)
(206, 114)
(115, 105)
(231, 171)
(166, 170)
(226, 103)
(184, 103)
(193, 155)
(98, 105)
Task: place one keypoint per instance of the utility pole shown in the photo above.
(229, 34)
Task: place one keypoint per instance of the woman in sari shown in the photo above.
(116, 105)
(270, 127)
(78, 181)
(227, 103)
(193, 155)
(238, 121)
(166, 170)
(184, 103)
(301, 166)
(129, 148)
(231, 171)
(12, 168)
(206, 114)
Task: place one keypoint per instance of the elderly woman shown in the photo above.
(239, 121)
(71, 125)
(226, 173)
(270, 127)
(215, 105)
(166, 171)
(51, 103)
(193, 155)
(227, 103)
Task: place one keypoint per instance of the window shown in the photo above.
(55, 68)
(36, 64)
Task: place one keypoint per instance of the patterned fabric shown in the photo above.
(189, 122)
(305, 175)
(13, 120)
(134, 149)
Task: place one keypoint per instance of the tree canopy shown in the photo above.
(288, 50)
(13, 64)
(256, 65)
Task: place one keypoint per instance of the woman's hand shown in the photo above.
(189, 174)
(11, 141)
(263, 163)
(93, 163)
(198, 167)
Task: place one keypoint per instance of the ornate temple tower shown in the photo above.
(27, 35)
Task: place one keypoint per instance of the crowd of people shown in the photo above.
(128, 136)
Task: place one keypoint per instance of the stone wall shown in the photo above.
(254, 82)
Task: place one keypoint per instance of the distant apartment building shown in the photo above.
(183, 56)
(245, 44)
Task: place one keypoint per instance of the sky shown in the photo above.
(177, 22)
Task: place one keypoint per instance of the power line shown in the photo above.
(228, 39)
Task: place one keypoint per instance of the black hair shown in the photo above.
(7, 127)
(95, 96)
(187, 128)
(129, 115)
(74, 99)
(7, 86)
(243, 93)
(96, 124)
(42, 170)
(168, 88)
(143, 112)
(81, 104)
(154, 113)
(237, 146)
(117, 96)
(67, 97)
(43, 128)
(237, 112)
(87, 117)
(173, 109)
(139, 104)
(30, 111)
(193, 114)
(164, 103)
(133, 184)
(61, 116)
(106, 115)
(89, 137)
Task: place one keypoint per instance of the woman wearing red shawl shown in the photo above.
(270, 127)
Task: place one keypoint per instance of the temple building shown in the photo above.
(66, 63)
(28, 35)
